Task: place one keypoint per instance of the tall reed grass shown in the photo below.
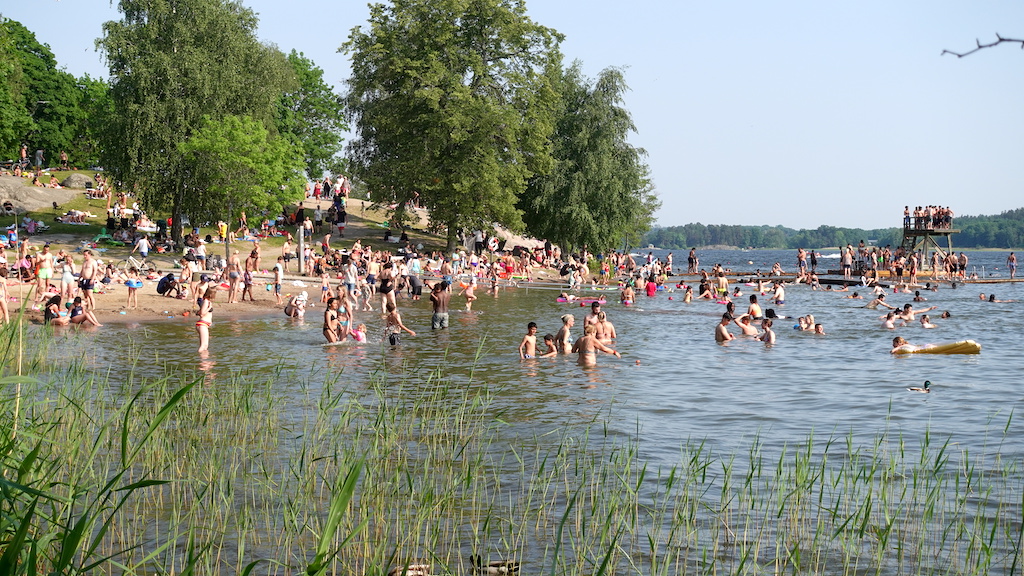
(157, 472)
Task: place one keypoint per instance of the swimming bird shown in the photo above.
(413, 568)
(926, 389)
(494, 568)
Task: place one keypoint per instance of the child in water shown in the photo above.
(359, 334)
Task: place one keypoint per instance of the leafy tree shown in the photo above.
(50, 96)
(95, 112)
(598, 193)
(313, 115)
(15, 121)
(172, 62)
(239, 166)
(450, 99)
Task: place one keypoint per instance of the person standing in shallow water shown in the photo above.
(588, 346)
(205, 321)
(439, 297)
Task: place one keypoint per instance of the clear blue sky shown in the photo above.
(798, 113)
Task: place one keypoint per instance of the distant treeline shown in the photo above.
(1003, 231)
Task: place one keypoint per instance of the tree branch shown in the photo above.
(999, 40)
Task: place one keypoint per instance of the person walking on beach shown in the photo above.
(87, 278)
(278, 279)
(234, 272)
(205, 321)
(44, 265)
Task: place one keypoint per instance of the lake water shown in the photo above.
(673, 384)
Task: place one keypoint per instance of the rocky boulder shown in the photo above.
(76, 181)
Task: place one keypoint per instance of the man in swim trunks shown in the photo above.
(439, 298)
(780, 294)
(87, 278)
(1011, 264)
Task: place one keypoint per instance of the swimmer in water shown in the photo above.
(746, 327)
(880, 301)
(528, 347)
(898, 342)
(819, 329)
(588, 346)
(768, 336)
(721, 331)
(889, 321)
(926, 322)
(754, 310)
(854, 296)
(359, 334)
(549, 343)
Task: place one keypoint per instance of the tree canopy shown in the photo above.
(172, 62)
(313, 116)
(240, 166)
(598, 194)
(451, 100)
(15, 120)
(43, 106)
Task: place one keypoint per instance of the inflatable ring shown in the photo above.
(134, 283)
(492, 244)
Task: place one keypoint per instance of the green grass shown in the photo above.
(370, 218)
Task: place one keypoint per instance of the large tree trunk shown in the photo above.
(453, 237)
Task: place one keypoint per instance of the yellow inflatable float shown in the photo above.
(961, 347)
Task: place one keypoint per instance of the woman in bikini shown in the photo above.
(588, 346)
(205, 321)
(331, 320)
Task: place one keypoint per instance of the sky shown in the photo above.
(793, 113)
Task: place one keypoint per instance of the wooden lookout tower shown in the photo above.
(919, 235)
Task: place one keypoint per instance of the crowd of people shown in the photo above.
(928, 218)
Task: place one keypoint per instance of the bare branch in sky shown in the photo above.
(999, 40)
